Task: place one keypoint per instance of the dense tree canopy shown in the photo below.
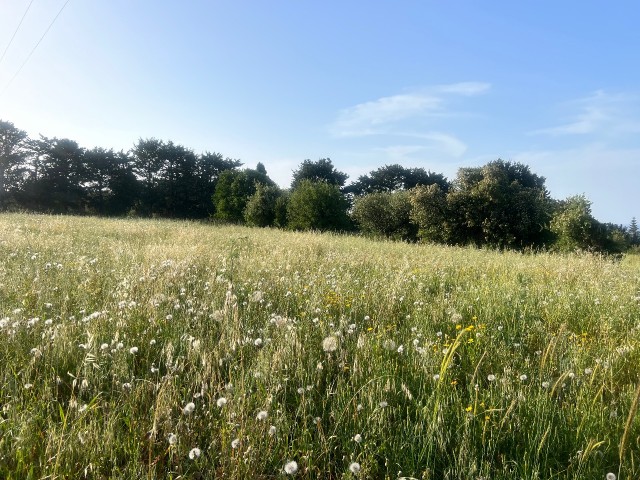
(390, 178)
(319, 171)
(498, 205)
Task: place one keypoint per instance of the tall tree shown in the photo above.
(111, 185)
(59, 176)
(319, 171)
(633, 232)
(261, 207)
(233, 190)
(317, 206)
(209, 167)
(385, 214)
(13, 143)
(501, 204)
(390, 178)
(147, 166)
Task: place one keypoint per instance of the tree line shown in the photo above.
(499, 205)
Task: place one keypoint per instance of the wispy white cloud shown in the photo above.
(601, 113)
(464, 88)
(379, 116)
(445, 142)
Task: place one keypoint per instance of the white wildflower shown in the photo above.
(291, 467)
(330, 344)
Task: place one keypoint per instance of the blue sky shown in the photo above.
(432, 84)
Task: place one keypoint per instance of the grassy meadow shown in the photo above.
(159, 349)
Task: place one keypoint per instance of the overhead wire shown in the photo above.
(16, 31)
(34, 48)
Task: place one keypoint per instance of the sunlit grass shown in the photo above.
(160, 349)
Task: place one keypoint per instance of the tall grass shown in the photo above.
(409, 361)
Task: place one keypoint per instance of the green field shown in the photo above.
(159, 349)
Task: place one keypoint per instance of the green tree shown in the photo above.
(58, 177)
(390, 178)
(147, 166)
(111, 186)
(319, 171)
(262, 206)
(634, 238)
(385, 214)
(13, 145)
(317, 206)
(209, 167)
(430, 212)
(573, 225)
(233, 190)
(501, 204)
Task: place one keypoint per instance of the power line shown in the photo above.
(14, 33)
(34, 48)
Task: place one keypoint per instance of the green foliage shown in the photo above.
(573, 225)
(262, 206)
(319, 171)
(233, 190)
(317, 206)
(430, 212)
(385, 214)
(395, 177)
(501, 204)
(634, 237)
(13, 145)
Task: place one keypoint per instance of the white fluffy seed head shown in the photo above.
(291, 467)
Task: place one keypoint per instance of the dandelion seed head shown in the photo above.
(172, 439)
(235, 443)
(291, 467)
(523, 378)
(189, 408)
(545, 384)
(222, 401)
(354, 468)
(383, 404)
(611, 476)
(272, 430)
(330, 344)
(194, 453)
(357, 438)
(257, 342)
(133, 350)
(491, 377)
(262, 415)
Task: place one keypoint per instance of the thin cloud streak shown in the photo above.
(601, 113)
(376, 117)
